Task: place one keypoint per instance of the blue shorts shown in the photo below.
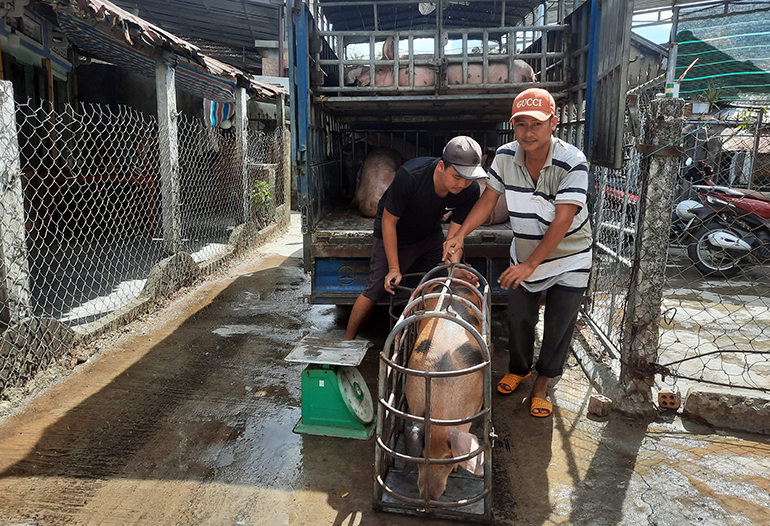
(417, 257)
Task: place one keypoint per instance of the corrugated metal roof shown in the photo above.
(237, 23)
(355, 15)
(642, 5)
(733, 141)
(111, 33)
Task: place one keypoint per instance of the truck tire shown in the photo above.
(711, 261)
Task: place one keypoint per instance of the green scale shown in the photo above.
(335, 399)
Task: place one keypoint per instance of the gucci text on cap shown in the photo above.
(535, 102)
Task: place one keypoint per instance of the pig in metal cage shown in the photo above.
(434, 403)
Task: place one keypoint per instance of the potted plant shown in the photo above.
(261, 197)
(708, 99)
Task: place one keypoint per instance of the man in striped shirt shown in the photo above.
(545, 183)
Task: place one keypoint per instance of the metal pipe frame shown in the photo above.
(392, 379)
(438, 61)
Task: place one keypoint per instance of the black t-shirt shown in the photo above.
(412, 198)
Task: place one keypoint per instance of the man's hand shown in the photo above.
(453, 249)
(558, 228)
(393, 278)
(515, 274)
(466, 275)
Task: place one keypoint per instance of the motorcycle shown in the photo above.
(725, 229)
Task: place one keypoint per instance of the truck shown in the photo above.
(411, 75)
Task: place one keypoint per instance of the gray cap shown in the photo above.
(465, 155)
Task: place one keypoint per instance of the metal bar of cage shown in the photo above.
(337, 39)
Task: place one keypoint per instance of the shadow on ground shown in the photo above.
(188, 420)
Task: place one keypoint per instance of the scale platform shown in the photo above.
(335, 399)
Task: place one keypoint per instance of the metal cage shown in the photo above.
(467, 496)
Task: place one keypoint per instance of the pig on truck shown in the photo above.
(460, 66)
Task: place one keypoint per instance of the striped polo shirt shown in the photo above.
(563, 180)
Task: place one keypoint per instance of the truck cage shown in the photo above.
(465, 39)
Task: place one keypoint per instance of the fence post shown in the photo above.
(168, 145)
(660, 151)
(15, 296)
(242, 133)
(755, 156)
(284, 149)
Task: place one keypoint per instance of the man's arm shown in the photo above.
(463, 274)
(452, 232)
(390, 242)
(478, 214)
(515, 274)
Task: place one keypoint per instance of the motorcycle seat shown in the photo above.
(755, 194)
(735, 192)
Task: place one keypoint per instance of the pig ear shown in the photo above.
(463, 443)
(388, 49)
(414, 438)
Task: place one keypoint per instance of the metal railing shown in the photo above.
(489, 52)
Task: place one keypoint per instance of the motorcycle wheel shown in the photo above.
(711, 261)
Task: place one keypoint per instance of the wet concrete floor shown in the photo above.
(186, 418)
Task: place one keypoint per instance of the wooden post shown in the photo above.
(241, 130)
(165, 87)
(52, 132)
(285, 158)
(755, 155)
(15, 296)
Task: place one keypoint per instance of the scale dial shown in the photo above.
(355, 393)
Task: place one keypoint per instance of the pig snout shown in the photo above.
(374, 177)
(443, 345)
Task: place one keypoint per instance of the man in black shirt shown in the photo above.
(407, 229)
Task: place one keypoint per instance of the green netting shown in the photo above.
(732, 45)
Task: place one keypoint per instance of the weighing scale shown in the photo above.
(335, 399)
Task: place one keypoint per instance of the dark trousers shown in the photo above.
(417, 257)
(561, 310)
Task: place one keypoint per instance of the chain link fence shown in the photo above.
(81, 228)
(716, 311)
(90, 181)
(715, 326)
(616, 220)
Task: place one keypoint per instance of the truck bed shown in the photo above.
(346, 224)
(341, 247)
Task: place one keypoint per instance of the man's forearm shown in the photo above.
(479, 213)
(453, 228)
(391, 251)
(390, 242)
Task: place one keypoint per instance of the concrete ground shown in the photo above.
(185, 417)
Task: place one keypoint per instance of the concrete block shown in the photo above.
(599, 405)
(169, 275)
(724, 408)
(668, 399)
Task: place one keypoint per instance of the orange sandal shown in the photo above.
(510, 382)
(542, 404)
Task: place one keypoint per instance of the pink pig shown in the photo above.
(374, 177)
